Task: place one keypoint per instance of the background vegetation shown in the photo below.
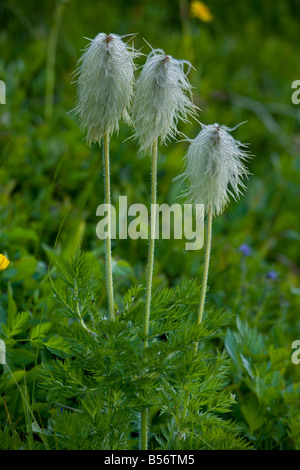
(245, 61)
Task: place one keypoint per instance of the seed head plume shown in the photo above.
(161, 99)
(105, 79)
(214, 168)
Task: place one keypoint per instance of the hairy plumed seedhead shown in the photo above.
(105, 85)
(214, 168)
(161, 99)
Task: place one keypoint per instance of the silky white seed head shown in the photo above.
(161, 99)
(214, 168)
(105, 85)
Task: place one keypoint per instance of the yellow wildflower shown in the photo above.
(4, 262)
(201, 11)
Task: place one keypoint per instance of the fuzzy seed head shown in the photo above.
(214, 168)
(105, 79)
(161, 99)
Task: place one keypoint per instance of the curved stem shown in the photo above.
(204, 285)
(206, 265)
(151, 243)
(108, 257)
(144, 430)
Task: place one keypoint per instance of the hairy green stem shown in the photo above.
(206, 266)
(144, 429)
(204, 285)
(144, 413)
(108, 257)
(151, 243)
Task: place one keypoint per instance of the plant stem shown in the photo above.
(108, 258)
(144, 430)
(204, 284)
(51, 59)
(206, 266)
(151, 243)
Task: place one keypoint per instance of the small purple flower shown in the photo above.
(245, 249)
(272, 275)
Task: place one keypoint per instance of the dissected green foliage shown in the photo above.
(268, 398)
(50, 187)
(104, 379)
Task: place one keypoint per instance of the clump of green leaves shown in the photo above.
(27, 339)
(268, 398)
(101, 379)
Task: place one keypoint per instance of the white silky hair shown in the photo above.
(214, 168)
(161, 99)
(105, 85)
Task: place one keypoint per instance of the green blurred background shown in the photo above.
(245, 60)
